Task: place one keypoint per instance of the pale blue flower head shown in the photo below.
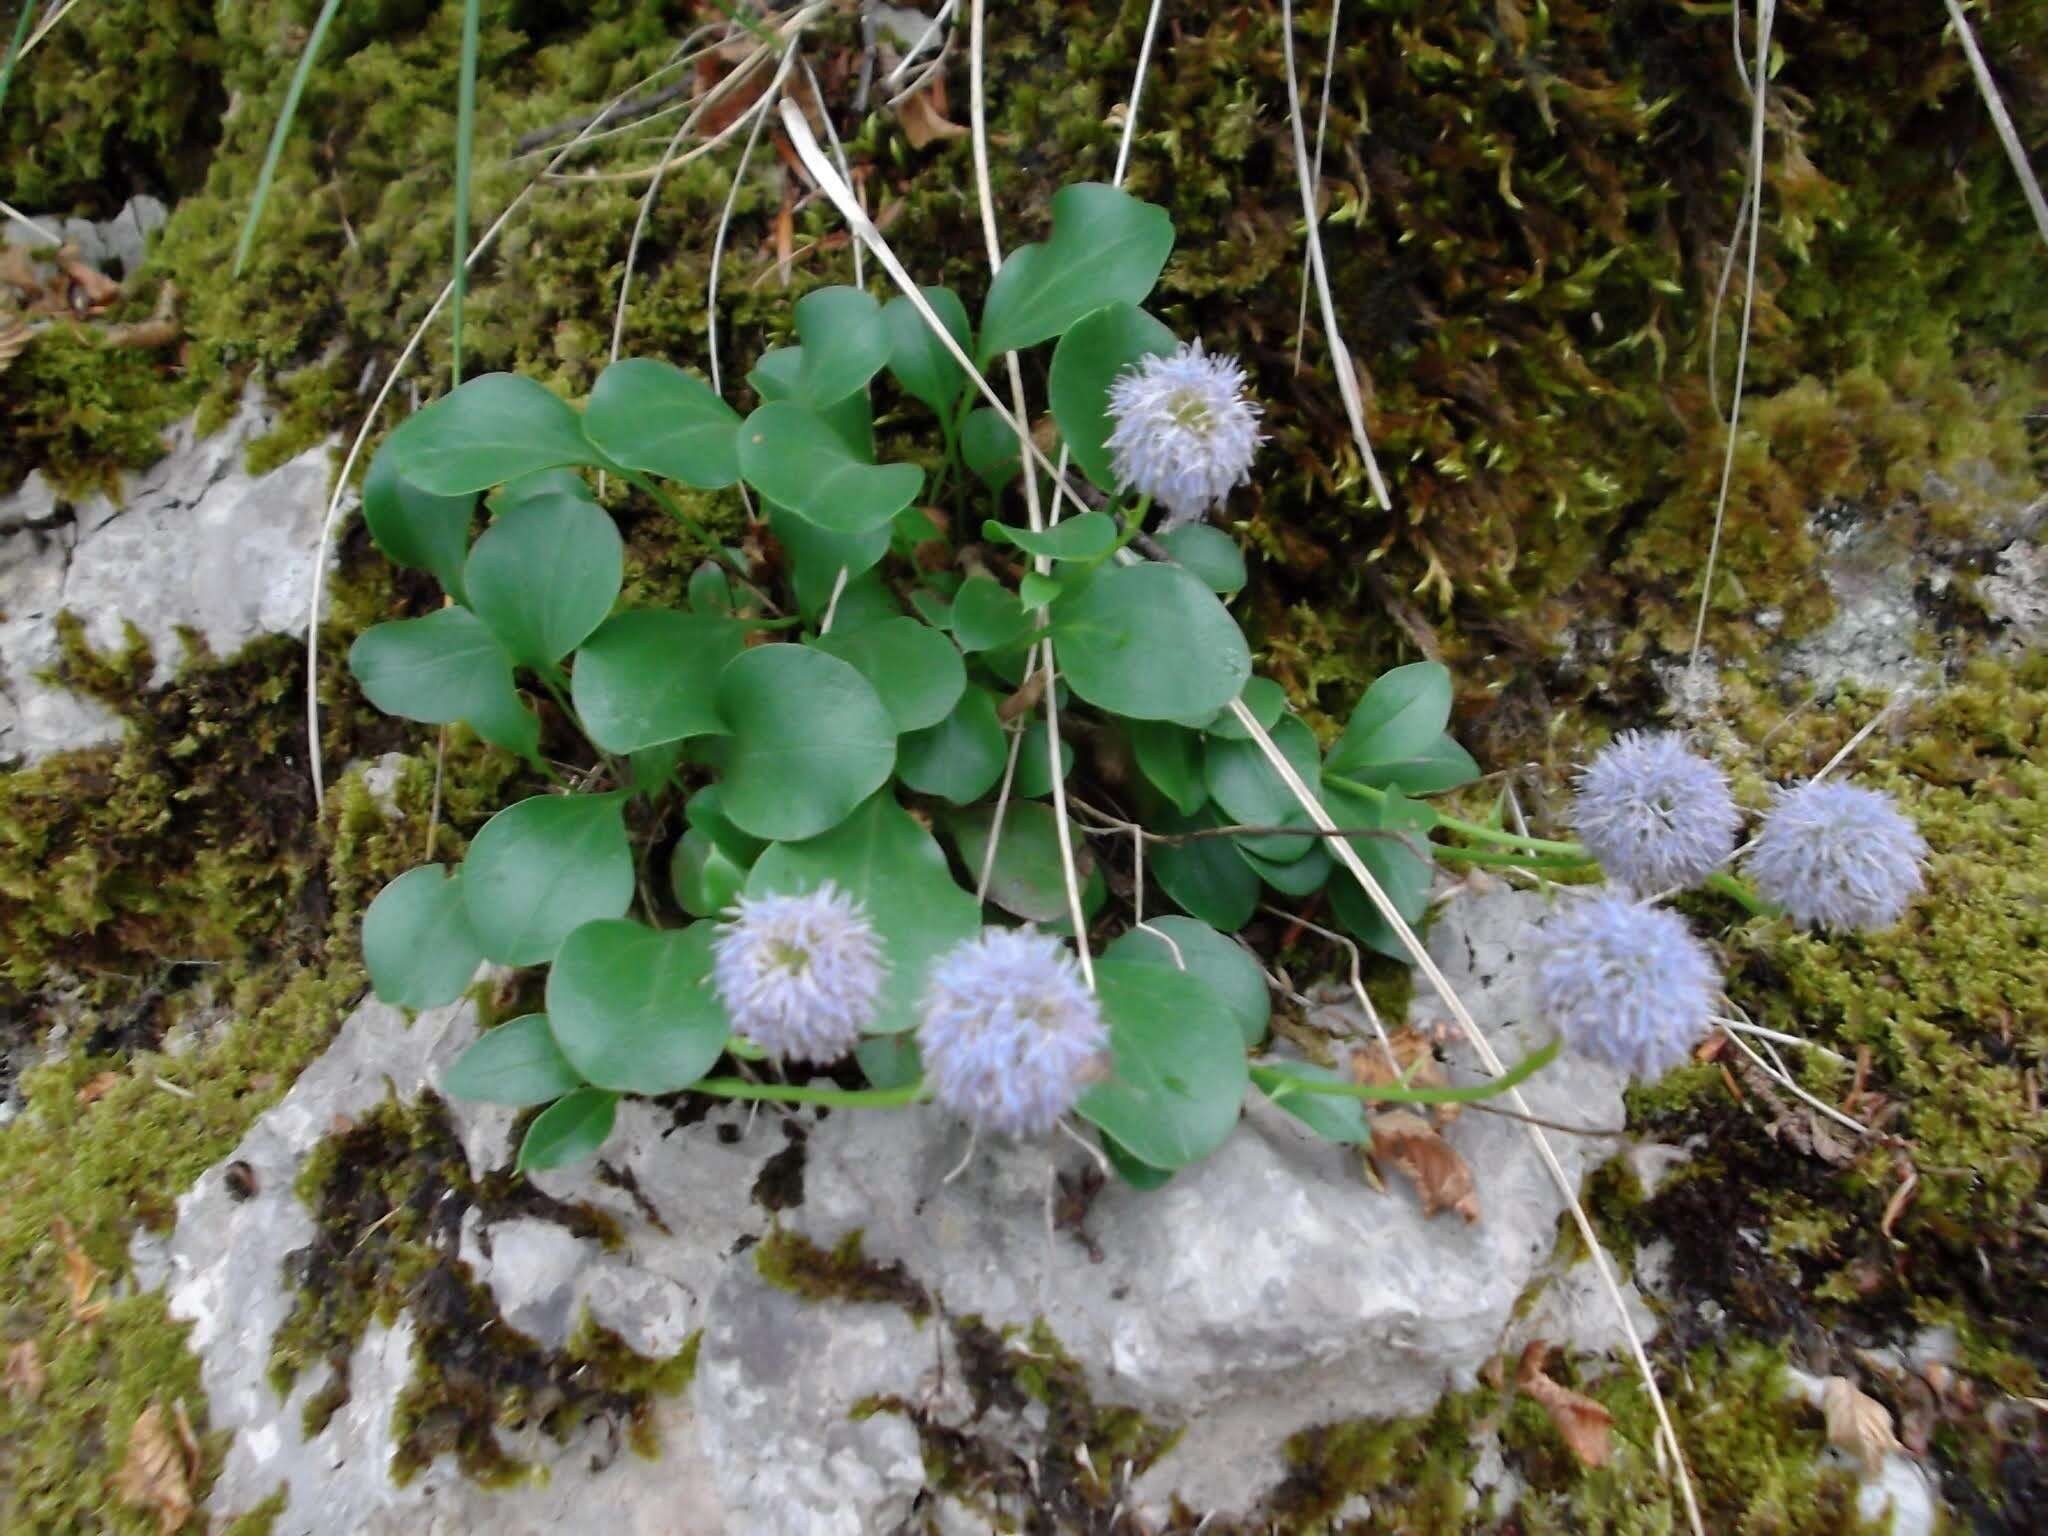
(1185, 433)
(1011, 1034)
(799, 975)
(1654, 814)
(1626, 983)
(1837, 856)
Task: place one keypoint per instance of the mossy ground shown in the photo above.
(1527, 207)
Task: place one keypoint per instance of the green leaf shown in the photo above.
(1106, 248)
(1210, 554)
(988, 447)
(1179, 1077)
(703, 879)
(1035, 591)
(961, 757)
(705, 812)
(987, 616)
(1170, 757)
(778, 377)
(810, 741)
(1085, 364)
(1028, 879)
(1150, 642)
(495, 428)
(415, 528)
(544, 575)
(794, 458)
(819, 556)
(633, 1008)
(1400, 717)
(1333, 1117)
(889, 1061)
(544, 867)
(417, 942)
(845, 342)
(1441, 765)
(882, 858)
(541, 483)
(1087, 537)
(652, 416)
(1206, 877)
(568, 1130)
(1403, 873)
(650, 675)
(1293, 877)
(1134, 1172)
(1244, 784)
(1266, 700)
(1226, 967)
(924, 368)
(916, 670)
(518, 1063)
(1034, 763)
(441, 668)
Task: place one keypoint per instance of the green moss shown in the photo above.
(791, 1262)
(81, 412)
(1414, 1473)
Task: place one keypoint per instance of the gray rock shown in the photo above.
(195, 543)
(115, 247)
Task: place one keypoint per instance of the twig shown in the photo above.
(1316, 177)
(2001, 119)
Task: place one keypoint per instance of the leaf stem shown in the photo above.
(804, 1093)
(1520, 1072)
(1472, 829)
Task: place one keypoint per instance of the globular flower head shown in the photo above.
(1185, 433)
(1010, 1034)
(799, 975)
(1654, 814)
(1626, 983)
(1837, 856)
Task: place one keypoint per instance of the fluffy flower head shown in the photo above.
(799, 975)
(1010, 1034)
(1654, 814)
(1838, 856)
(1626, 984)
(1185, 434)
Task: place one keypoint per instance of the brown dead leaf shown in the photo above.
(1895, 1207)
(161, 329)
(785, 234)
(157, 1472)
(1404, 1141)
(24, 1377)
(14, 338)
(93, 1089)
(18, 270)
(923, 115)
(80, 1273)
(1585, 1426)
(91, 291)
(1415, 1056)
(1858, 1423)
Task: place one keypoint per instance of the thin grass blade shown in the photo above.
(277, 135)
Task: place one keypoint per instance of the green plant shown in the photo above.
(818, 750)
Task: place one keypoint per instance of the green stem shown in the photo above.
(804, 1093)
(465, 138)
(1454, 855)
(1738, 890)
(21, 25)
(1520, 1072)
(1471, 829)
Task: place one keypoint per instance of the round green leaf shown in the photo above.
(651, 675)
(542, 482)
(703, 879)
(1095, 349)
(961, 757)
(568, 1130)
(1028, 878)
(1089, 536)
(810, 741)
(705, 812)
(544, 867)
(495, 428)
(650, 415)
(632, 1007)
(1207, 877)
(916, 670)
(794, 458)
(1441, 765)
(1400, 717)
(517, 1063)
(882, 858)
(1170, 757)
(417, 941)
(1137, 1174)
(988, 447)
(987, 616)
(1334, 1117)
(417, 528)
(1106, 248)
(1266, 700)
(818, 556)
(1034, 763)
(1207, 954)
(923, 366)
(445, 667)
(844, 341)
(889, 1061)
(779, 376)
(1149, 642)
(1402, 872)
(1179, 1076)
(1210, 553)
(1293, 877)
(544, 575)
(1244, 784)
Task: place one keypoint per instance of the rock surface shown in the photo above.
(115, 247)
(194, 543)
(1263, 1291)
